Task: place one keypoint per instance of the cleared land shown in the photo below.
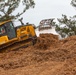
(49, 56)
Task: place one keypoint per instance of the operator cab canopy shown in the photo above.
(7, 29)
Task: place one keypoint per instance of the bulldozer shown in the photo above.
(9, 34)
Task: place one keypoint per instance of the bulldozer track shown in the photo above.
(17, 45)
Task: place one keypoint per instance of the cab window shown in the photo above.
(2, 30)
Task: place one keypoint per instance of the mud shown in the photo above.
(49, 56)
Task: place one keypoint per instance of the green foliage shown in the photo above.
(7, 7)
(66, 26)
(73, 3)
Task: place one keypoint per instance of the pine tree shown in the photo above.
(66, 26)
(73, 3)
(7, 7)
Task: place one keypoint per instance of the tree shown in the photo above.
(7, 7)
(73, 3)
(66, 26)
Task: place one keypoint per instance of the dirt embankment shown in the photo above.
(49, 56)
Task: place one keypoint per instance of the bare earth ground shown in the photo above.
(50, 56)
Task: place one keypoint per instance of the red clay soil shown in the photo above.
(49, 56)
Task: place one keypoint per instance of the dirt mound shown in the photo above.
(69, 43)
(64, 52)
(50, 56)
(46, 40)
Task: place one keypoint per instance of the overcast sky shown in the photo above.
(45, 9)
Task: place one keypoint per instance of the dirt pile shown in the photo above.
(46, 40)
(69, 43)
(50, 56)
(63, 51)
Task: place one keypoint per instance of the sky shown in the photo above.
(46, 9)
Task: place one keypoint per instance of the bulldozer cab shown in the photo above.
(8, 29)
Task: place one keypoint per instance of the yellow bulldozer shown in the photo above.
(10, 34)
